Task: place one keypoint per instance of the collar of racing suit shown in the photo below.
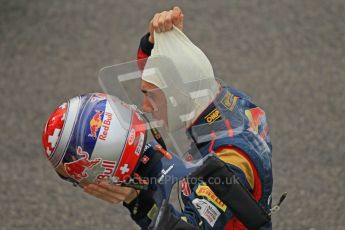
(148, 163)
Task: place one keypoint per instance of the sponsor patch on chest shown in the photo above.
(208, 211)
(205, 191)
(212, 116)
(229, 101)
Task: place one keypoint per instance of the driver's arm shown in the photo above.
(145, 47)
(142, 209)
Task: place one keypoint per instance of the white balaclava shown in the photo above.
(197, 82)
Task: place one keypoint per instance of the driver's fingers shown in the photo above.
(177, 10)
(106, 193)
(154, 24)
(177, 17)
(161, 21)
(155, 20)
(168, 24)
(100, 195)
(126, 194)
(164, 21)
(117, 189)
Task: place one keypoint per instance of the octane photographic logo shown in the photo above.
(77, 168)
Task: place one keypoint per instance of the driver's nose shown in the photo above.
(147, 106)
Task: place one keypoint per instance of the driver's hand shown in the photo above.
(111, 193)
(164, 21)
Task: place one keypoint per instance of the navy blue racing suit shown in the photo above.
(243, 144)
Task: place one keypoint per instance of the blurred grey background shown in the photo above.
(289, 55)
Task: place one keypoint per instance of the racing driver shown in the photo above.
(244, 152)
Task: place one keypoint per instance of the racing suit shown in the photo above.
(243, 143)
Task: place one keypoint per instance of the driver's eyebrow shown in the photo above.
(144, 91)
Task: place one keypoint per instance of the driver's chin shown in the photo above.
(161, 121)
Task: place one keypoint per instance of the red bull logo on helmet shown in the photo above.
(77, 168)
(106, 124)
(109, 167)
(95, 124)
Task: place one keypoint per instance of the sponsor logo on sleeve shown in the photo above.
(147, 146)
(165, 172)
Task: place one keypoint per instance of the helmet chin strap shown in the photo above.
(155, 132)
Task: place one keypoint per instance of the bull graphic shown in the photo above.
(77, 168)
(95, 124)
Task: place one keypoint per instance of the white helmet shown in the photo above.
(91, 137)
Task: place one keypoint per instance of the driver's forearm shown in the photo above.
(141, 209)
(145, 47)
